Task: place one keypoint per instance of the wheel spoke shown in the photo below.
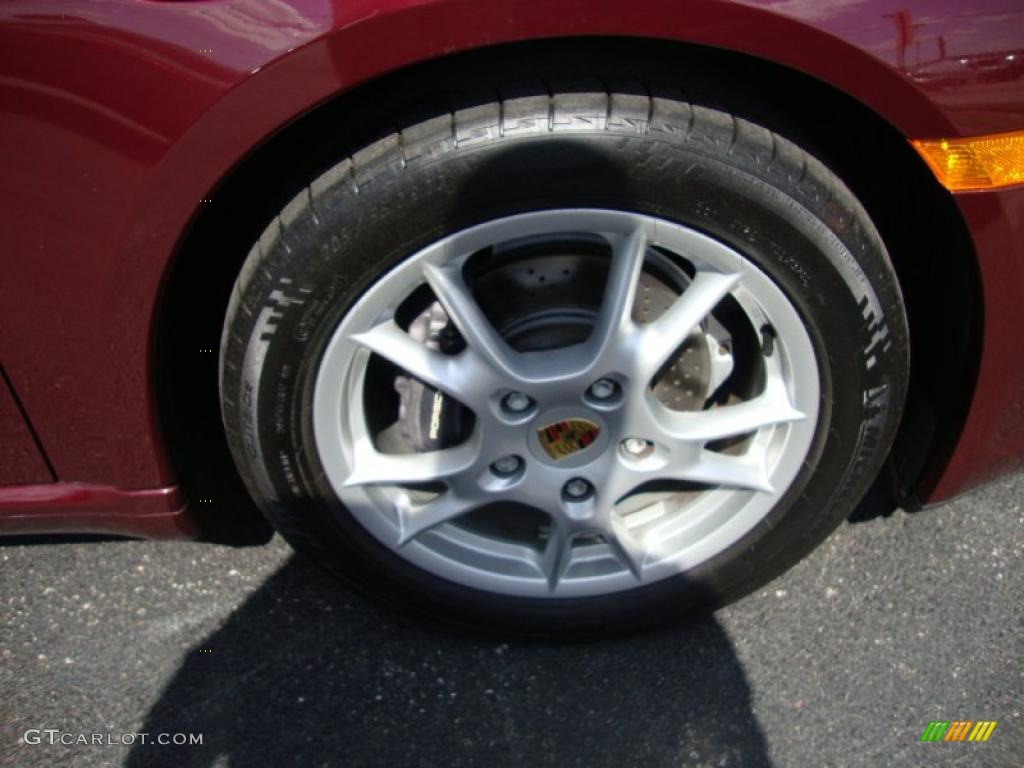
(463, 310)
(620, 290)
(663, 337)
(414, 519)
(557, 555)
(456, 375)
(771, 407)
(624, 544)
(375, 468)
(746, 471)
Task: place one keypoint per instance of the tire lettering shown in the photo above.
(248, 427)
(289, 473)
(879, 333)
(317, 308)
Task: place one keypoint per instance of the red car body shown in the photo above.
(121, 119)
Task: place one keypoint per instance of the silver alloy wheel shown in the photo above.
(599, 541)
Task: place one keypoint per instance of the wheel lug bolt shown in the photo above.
(603, 389)
(577, 489)
(637, 447)
(506, 466)
(516, 402)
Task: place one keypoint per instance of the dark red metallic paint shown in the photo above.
(21, 462)
(159, 513)
(119, 117)
(992, 441)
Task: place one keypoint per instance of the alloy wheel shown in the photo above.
(599, 445)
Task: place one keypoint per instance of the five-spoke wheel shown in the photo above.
(574, 432)
(564, 362)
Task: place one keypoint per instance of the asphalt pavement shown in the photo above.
(894, 622)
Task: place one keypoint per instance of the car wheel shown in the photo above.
(563, 363)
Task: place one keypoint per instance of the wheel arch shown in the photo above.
(916, 219)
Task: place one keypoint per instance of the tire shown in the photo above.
(661, 158)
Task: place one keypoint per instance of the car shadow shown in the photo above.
(306, 673)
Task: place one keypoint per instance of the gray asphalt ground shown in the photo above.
(894, 622)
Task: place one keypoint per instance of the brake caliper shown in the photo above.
(428, 419)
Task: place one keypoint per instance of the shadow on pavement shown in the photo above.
(304, 673)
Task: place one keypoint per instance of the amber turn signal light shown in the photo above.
(981, 162)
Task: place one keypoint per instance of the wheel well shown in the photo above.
(918, 221)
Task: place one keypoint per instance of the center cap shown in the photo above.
(568, 437)
(561, 439)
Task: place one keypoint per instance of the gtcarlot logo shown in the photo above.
(67, 738)
(959, 730)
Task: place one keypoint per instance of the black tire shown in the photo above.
(727, 177)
